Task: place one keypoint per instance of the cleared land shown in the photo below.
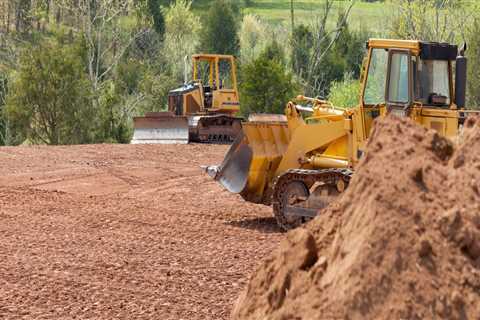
(123, 231)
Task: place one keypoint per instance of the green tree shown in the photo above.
(266, 85)
(431, 20)
(219, 34)
(154, 8)
(321, 62)
(23, 15)
(157, 16)
(302, 40)
(114, 120)
(181, 37)
(118, 100)
(473, 76)
(155, 86)
(274, 52)
(350, 48)
(48, 99)
(253, 35)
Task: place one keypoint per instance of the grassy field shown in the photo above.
(370, 17)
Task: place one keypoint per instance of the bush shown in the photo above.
(155, 87)
(266, 85)
(346, 93)
(49, 98)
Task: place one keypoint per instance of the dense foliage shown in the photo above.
(473, 76)
(266, 84)
(49, 99)
(346, 93)
(219, 34)
(77, 71)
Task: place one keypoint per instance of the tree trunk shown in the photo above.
(292, 16)
(9, 4)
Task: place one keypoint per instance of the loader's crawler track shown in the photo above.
(218, 139)
(218, 129)
(288, 193)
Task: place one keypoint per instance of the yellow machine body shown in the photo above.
(321, 136)
(217, 82)
(329, 138)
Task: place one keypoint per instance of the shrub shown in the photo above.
(48, 99)
(346, 93)
(266, 85)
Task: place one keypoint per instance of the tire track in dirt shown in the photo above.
(148, 236)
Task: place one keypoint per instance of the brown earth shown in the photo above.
(123, 231)
(403, 242)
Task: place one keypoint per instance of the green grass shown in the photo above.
(371, 17)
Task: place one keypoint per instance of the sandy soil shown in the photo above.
(402, 242)
(123, 231)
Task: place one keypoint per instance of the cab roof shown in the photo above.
(209, 56)
(412, 45)
(424, 49)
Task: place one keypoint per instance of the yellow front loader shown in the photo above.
(300, 165)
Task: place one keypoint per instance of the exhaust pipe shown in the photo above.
(185, 71)
(461, 78)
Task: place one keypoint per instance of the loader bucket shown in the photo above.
(266, 117)
(233, 172)
(160, 127)
(252, 159)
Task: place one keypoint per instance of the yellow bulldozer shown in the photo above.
(300, 165)
(202, 110)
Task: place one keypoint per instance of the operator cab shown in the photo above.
(400, 78)
(213, 72)
(412, 78)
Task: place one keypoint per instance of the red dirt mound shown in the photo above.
(402, 242)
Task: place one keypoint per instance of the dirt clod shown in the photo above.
(401, 243)
(300, 247)
(425, 248)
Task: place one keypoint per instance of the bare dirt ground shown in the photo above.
(123, 231)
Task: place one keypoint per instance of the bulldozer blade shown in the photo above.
(160, 127)
(234, 170)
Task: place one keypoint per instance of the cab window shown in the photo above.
(203, 72)
(225, 74)
(432, 85)
(377, 72)
(398, 79)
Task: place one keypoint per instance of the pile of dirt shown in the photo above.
(402, 242)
